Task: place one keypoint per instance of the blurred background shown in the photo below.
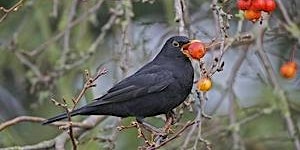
(46, 46)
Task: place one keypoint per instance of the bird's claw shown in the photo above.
(160, 138)
(170, 131)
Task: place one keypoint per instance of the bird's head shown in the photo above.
(174, 47)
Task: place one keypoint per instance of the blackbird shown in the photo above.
(156, 88)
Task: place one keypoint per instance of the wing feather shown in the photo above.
(136, 86)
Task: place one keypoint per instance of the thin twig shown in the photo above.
(187, 125)
(11, 9)
(69, 125)
(88, 84)
(181, 16)
(66, 45)
(70, 132)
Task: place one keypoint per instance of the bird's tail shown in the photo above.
(64, 116)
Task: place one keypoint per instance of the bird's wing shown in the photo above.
(135, 86)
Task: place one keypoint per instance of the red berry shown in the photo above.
(270, 6)
(252, 15)
(258, 5)
(195, 50)
(243, 4)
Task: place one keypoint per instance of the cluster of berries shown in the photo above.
(197, 50)
(253, 8)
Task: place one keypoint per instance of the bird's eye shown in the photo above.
(175, 44)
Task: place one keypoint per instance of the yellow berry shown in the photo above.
(204, 84)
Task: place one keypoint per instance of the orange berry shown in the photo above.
(204, 84)
(288, 70)
(196, 49)
(252, 15)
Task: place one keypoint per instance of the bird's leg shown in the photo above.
(170, 120)
(148, 127)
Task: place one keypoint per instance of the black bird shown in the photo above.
(156, 88)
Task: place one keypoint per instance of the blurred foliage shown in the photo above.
(35, 22)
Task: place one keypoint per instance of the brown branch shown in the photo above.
(24, 60)
(66, 45)
(11, 9)
(59, 141)
(186, 126)
(181, 16)
(222, 22)
(88, 84)
(69, 126)
(21, 119)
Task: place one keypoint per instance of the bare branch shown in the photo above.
(11, 9)
(88, 84)
(66, 45)
(59, 141)
(181, 17)
(21, 119)
(186, 126)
